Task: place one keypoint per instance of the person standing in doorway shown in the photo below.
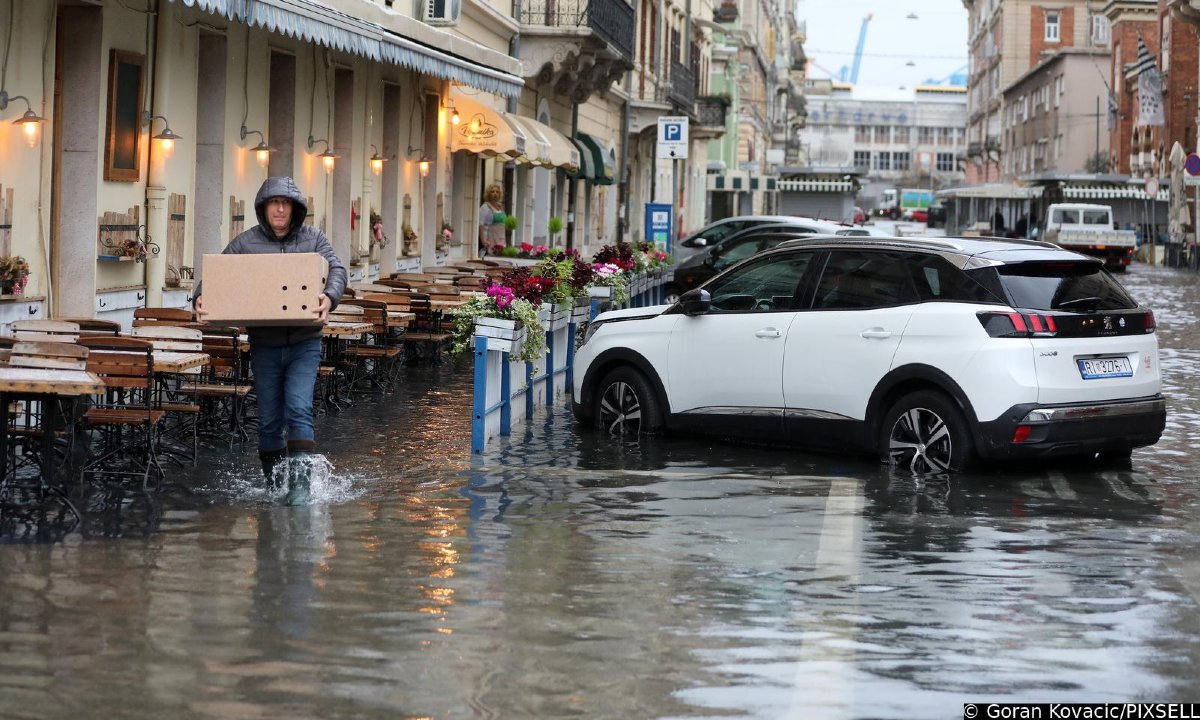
(491, 219)
(284, 359)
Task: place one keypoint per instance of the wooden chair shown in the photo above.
(95, 326)
(45, 331)
(182, 424)
(123, 422)
(377, 358)
(224, 391)
(143, 317)
(25, 419)
(472, 282)
(425, 333)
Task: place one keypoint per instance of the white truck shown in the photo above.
(1089, 229)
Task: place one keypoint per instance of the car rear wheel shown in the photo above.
(626, 404)
(926, 433)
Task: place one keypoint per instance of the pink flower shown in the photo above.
(526, 247)
(540, 250)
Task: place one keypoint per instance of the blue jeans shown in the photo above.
(284, 378)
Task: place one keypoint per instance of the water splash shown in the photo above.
(326, 487)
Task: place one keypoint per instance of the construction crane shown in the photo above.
(958, 77)
(852, 78)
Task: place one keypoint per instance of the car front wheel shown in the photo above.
(925, 432)
(672, 294)
(626, 404)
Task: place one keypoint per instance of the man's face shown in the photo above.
(279, 215)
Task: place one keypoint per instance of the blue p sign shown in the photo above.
(673, 132)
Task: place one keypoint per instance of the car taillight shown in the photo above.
(1150, 323)
(1015, 324)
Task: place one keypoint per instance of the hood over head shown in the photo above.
(282, 186)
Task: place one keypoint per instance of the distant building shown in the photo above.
(891, 137)
(1006, 39)
(1054, 115)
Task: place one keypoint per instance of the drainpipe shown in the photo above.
(623, 188)
(573, 184)
(156, 191)
(514, 49)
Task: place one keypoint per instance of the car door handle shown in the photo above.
(769, 333)
(876, 334)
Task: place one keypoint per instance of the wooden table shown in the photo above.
(170, 361)
(43, 385)
(346, 328)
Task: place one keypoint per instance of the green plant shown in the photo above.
(510, 222)
(517, 309)
(559, 271)
(510, 251)
(555, 225)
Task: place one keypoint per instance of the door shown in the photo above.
(838, 351)
(727, 365)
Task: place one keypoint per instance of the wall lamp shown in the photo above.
(423, 163)
(30, 122)
(327, 157)
(454, 120)
(167, 137)
(262, 151)
(376, 161)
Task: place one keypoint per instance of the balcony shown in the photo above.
(577, 47)
(726, 12)
(711, 114)
(682, 89)
(974, 149)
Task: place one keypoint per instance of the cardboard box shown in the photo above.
(266, 289)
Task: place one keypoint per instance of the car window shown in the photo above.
(1062, 285)
(728, 257)
(714, 235)
(760, 286)
(936, 279)
(855, 280)
(1095, 217)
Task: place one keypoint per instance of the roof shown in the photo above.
(965, 246)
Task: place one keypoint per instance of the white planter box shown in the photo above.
(580, 313)
(503, 335)
(496, 323)
(599, 291)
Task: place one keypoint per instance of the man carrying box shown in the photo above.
(285, 357)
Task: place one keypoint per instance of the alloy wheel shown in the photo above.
(921, 441)
(620, 409)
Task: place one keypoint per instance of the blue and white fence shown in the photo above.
(504, 383)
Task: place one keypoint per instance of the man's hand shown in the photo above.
(200, 312)
(323, 305)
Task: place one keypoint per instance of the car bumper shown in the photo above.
(1073, 429)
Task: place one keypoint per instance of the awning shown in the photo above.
(485, 131)
(563, 152)
(315, 23)
(1113, 192)
(604, 165)
(587, 161)
(537, 146)
(816, 186)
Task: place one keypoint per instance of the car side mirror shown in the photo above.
(695, 302)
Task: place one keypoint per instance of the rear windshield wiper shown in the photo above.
(1087, 303)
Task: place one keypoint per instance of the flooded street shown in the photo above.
(559, 576)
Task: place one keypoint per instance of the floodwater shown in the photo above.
(560, 576)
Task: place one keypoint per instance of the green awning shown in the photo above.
(601, 167)
(587, 162)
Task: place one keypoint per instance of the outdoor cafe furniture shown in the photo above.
(124, 420)
(48, 330)
(48, 383)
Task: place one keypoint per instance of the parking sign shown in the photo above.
(672, 138)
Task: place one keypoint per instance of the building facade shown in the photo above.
(155, 127)
(1055, 116)
(890, 138)
(1006, 39)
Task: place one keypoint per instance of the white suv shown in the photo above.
(929, 353)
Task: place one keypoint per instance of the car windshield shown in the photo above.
(1063, 285)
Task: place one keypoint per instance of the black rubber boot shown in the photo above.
(299, 470)
(270, 460)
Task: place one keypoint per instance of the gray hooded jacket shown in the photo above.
(300, 239)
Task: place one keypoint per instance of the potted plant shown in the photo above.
(410, 239)
(510, 225)
(445, 238)
(554, 226)
(511, 316)
(14, 274)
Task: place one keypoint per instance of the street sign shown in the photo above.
(1152, 187)
(1191, 180)
(659, 225)
(672, 138)
(1192, 164)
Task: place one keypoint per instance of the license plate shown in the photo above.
(1112, 367)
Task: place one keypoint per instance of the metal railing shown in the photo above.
(711, 111)
(611, 20)
(682, 90)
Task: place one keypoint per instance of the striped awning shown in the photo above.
(816, 186)
(315, 23)
(602, 168)
(1113, 192)
(537, 146)
(484, 130)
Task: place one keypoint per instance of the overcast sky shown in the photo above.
(936, 41)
